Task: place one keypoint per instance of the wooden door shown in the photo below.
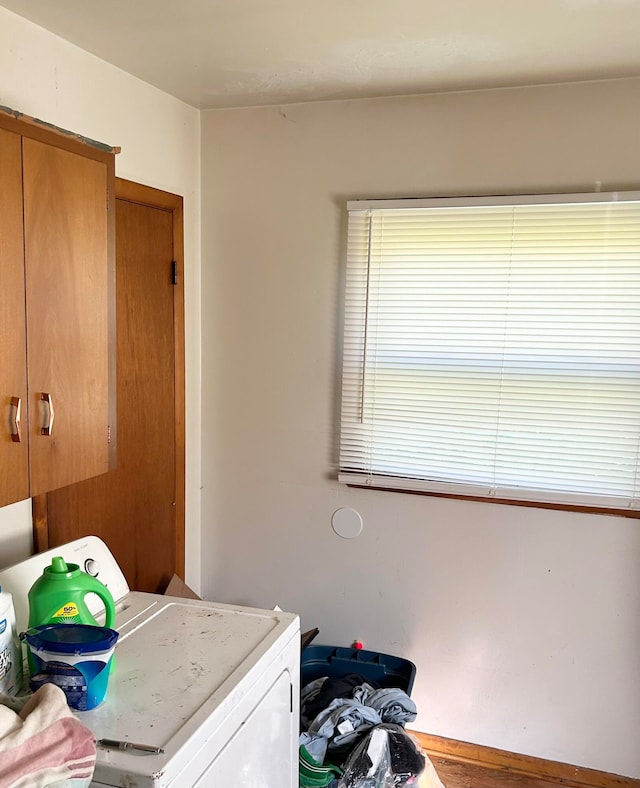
(138, 508)
(67, 302)
(14, 479)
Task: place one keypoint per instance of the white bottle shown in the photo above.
(10, 648)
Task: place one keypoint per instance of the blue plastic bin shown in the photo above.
(334, 662)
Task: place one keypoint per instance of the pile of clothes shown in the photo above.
(353, 735)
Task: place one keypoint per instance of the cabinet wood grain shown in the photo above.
(65, 219)
(57, 308)
(14, 483)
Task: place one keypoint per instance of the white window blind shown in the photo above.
(492, 348)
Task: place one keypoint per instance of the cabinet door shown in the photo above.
(14, 485)
(67, 297)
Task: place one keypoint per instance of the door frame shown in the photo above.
(155, 198)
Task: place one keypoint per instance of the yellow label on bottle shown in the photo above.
(68, 614)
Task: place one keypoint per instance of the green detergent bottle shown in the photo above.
(57, 596)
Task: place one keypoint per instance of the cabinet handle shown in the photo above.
(15, 405)
(47, 428)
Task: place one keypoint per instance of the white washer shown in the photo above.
(216, 686)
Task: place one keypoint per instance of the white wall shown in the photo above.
(43, 76)
(524, 623)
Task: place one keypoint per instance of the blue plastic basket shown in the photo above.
(333, 661)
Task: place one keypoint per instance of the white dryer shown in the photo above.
(215, 687)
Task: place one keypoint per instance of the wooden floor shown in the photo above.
(462, 765)
(464, 775)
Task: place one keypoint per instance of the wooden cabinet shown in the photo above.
(57, 301)
(14, 458)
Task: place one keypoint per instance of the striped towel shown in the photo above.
(43, 744)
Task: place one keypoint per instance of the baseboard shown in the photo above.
(538, 770)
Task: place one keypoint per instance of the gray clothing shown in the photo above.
(391, 703)
(340, 724)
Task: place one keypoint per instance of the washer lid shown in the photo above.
(175, 668)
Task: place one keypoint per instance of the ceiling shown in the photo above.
(235, 53)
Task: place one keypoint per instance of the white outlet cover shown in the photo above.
(347, 523)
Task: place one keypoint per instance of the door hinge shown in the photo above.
(108, 433)
(174, 273)
(291, 697)
(107, 199)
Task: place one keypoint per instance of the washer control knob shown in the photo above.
(91, 567)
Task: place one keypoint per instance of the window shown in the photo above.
(492, 348)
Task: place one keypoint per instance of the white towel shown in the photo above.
(42, 743)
